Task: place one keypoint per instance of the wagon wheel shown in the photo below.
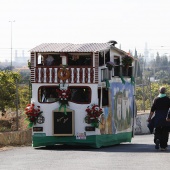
(63, 74)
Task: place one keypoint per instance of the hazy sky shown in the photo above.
(131, 23)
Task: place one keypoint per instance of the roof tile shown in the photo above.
(68, 47)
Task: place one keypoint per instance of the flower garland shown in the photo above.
(63, 95)
(32, 114)
(93, 114)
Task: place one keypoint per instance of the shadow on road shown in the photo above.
(129, 147)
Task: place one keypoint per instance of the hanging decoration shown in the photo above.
(63, 95)
(93, 114)
(126, 63)
(110, 65)
(127, 60)
(132, 80)
(33, 113)
(123, 80)
(107, 83)
(63, 73)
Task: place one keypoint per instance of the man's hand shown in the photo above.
(149, 119)
(167, 119)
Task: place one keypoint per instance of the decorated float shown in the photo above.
(82, 94)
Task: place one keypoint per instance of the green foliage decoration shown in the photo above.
(127, 60)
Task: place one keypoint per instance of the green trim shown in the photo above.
(161, 95)
(107, 83)
(123, 80)
(132, 80)
(64, 106)
(95, 141)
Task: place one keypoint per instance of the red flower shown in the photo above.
(32, 113)
(94, 111)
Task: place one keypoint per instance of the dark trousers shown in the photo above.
(162, 133)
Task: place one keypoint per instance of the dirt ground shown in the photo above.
(4, 148)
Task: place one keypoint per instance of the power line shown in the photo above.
(14, 48)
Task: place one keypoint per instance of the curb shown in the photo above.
(141, 124)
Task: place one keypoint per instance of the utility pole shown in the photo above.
(16, 102)
(154, 69)
(143, 82)
(11, 42)
(150, 91)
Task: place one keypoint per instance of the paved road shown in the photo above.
(138, 155)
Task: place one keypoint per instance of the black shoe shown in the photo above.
(164, 149)
(157, 144)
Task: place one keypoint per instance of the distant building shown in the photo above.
(21, 58)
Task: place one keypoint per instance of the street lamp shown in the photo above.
(11, 42)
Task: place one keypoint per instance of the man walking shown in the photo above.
(160, 107)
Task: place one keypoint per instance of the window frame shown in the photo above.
(104, 91)
(46, 86)
(44, 57)
(89, 94)
(78, 56)
(39, 94)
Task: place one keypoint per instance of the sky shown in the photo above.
(132, 23)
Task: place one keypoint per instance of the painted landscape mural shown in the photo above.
(117, 117)
(122, 106)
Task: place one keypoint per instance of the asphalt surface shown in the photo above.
(140, 154)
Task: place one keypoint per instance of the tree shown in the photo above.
(8, 80)
(24, 95)
(154, 92)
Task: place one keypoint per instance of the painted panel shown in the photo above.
(122, 106)
(117, 117)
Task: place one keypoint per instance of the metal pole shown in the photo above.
(150, 93)
(143, 95)
(11, 42)
(17, 106)
(143, 77)
(135, 71)
(154, 69)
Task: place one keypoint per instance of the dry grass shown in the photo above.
(8, 121)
